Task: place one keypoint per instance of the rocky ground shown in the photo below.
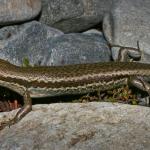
(83, 126)
(60, 32)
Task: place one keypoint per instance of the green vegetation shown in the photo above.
(25, 62)
(122, 95)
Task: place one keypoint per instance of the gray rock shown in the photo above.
(73, 15)
(28, 41)
(79, 48)
(43, 45)
(80, 126)
(18, 10)
(127, 23)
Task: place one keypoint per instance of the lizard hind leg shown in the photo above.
(141, 84)
(21, 113)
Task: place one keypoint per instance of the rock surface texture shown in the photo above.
(15, 11)
(127, 23)
(43, 45)
(80, 126)
(73, 15)
(77, 48)
(28, 41)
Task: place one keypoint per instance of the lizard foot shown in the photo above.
(7, 123)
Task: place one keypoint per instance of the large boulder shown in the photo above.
(16, 11)
(74, 126)
(73, 15)
(127, 23)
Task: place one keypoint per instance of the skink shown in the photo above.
(72, 79)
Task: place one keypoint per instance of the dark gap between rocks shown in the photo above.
(10, 100)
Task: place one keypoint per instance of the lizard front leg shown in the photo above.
(127, 54)
(123, 56)
(21, 113)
